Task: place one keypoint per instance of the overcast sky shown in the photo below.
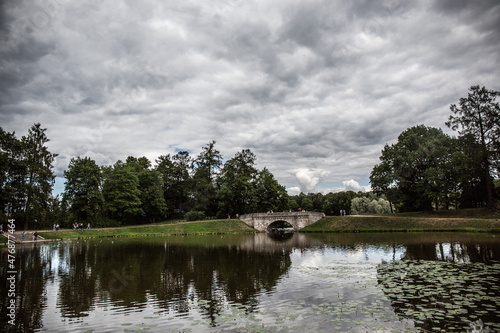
(314, 88)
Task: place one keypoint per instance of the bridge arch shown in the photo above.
(279, 224)
(298, 220)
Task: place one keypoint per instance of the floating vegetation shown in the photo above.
(444, 296)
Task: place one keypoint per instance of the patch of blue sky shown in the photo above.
(178, 150)
(58, 187)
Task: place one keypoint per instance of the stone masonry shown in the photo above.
(299, 220)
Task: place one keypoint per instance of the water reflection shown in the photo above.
(131, 275)
(31, 293)
(233, 279)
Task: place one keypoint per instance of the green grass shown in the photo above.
(475, 220)
(179, 228)
(3, 240)
(482, 213)
(403, 222)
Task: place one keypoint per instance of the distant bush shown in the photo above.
(370, 206)
(194, 215)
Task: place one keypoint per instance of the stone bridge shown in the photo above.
(265, 221)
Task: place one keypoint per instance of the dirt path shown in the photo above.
(28, 237)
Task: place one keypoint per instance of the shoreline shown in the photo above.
(328, 224)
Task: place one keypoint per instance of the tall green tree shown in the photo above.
(468, 175)
(236, 190)
(413, 168)
(206, 167)
(270, 195)
(39, 177)
(152, 199)
(12, 171)
(177, 183)
(307, 204)
(153, 202)
(121, 193)
(478, 114)
(82, 190)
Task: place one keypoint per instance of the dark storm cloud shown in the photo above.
(314, 88)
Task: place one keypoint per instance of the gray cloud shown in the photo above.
(315, 88)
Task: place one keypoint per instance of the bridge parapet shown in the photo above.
(299, 220)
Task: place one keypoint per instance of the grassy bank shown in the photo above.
(469, 221)
(403, 223)
(180, 228)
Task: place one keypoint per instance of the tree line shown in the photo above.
(131, 191)
(425, 169)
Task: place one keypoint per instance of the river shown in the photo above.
(352, 282)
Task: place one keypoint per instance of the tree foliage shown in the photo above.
(414, 167)
(175, 173)
(12, 170)
(270, 195)
(121, 193)
(236, 190)
(83, 190)
(206, 167)
(26, 175)
(39, 177)
(478, 115)
(153, 203)
(370, 205)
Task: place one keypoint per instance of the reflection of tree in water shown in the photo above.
(77, 280)
(129, 274)
(455, 293)
(33, 272)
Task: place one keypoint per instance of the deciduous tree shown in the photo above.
(413, 168)
(270, 195)
(151, 187)
(236, 190)
(121, 193)
(83, 190)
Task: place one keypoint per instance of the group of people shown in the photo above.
(342, 212)
(55, 227)
(80, 226)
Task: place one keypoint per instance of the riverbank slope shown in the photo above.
(178, 228)
(364, 223)
(415, 222)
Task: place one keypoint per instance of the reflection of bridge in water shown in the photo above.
(279, 243)
(265, 221)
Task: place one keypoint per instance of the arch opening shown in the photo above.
(280, 227)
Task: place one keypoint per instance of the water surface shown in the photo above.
(258, 283)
